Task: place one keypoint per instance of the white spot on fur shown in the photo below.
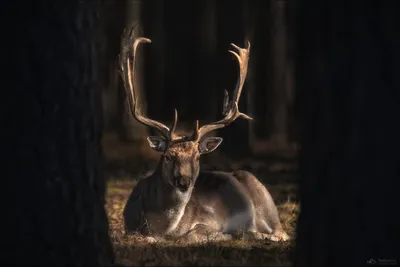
(183, 196)
(239, 221)
(150, 239)
(209, 209)
(175, 214)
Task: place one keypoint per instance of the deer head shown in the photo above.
(181, 154)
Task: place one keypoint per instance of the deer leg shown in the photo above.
(203, 233)
(276, 233)
(256, 236)
(267, 215)
(280, 235)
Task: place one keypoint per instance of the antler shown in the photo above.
(129, 79)
(230, 108)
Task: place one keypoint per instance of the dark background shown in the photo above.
(323, 77)
(188, 66)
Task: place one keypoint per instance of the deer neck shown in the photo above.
(168, 197)
(167, 204)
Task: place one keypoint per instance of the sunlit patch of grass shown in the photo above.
(137, 251)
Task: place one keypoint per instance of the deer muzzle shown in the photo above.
(182, 177)
(182, 183)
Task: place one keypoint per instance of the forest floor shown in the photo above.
(127, 162)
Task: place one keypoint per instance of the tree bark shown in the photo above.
(279, 95)
(261, 60)
(152, 18)
(113, 20)
(54, 136)
(205, 96)
(348, 84)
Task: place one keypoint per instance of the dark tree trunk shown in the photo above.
(348, 84)
(54, 132)
(181, 48)
(261, 60)
(279, 95)
(204, 93)
(272, 82)
(153, 65)
(114, 21)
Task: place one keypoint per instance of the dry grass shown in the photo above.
(135, 251)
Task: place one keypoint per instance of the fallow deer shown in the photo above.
(178, 200)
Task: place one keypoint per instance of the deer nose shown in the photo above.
(182, 183)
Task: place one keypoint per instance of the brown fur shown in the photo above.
(216, 204)
(185, 149)
(180, 202)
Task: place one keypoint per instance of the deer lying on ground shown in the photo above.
(178, 200)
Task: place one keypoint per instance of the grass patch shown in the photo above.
(137, 251)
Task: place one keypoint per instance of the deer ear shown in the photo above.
(209, 144)
(157, 143)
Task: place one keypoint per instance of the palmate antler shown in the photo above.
(230, 108)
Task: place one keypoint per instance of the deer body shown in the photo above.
(179, 201)
(217, 205)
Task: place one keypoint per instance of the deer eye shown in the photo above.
(167, 158)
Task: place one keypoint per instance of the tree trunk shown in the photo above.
(261, 60)
(278, 100)
(113, 20)
(152, 18)
(348, 84)
(205, 96)
(54, 134)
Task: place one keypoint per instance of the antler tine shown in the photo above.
(231, 109)
(128, 76)
(195, 135)
(173, 128)
(243, 59)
